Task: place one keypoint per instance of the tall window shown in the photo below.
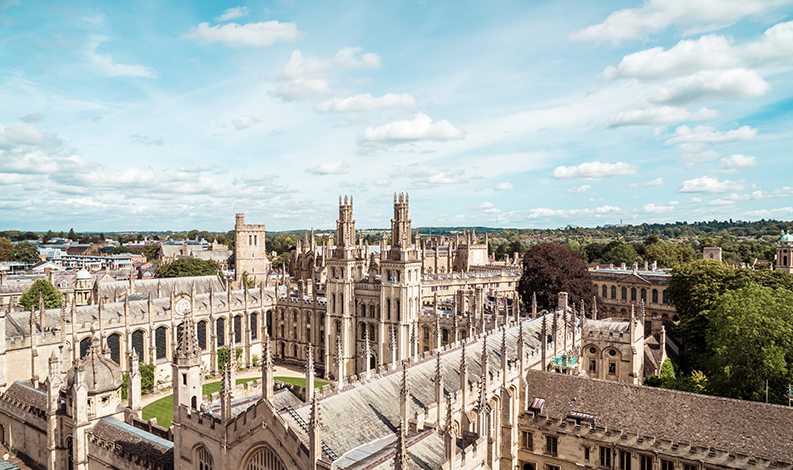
(605, 456)
(84, 345)
(254, 326)
(220, 331)
(605, 292)
(159, 342)
(204, 459)
(655, 296)
(527, 440)
(264, 459)
(666, 299)
(633, 294)
(238, 329)
(592, 365)
(625, 460)
(363, 310)
(624, 293)
(551, 443)
(202, 335)
(612, 368)
(644, 295)
(371, 311)
(613, 292)
(645, 462)
(137, 344)
(113, 343)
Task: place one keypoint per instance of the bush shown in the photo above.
(146, 377)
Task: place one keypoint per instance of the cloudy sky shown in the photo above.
(171, 115)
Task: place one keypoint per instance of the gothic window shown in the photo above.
(605, 293)
(625, 460)
(220, 331)
(426, 333)
(624, 293)
(371, 311)
(238, 329)
(294, 332)
(294, 351)
(282, 314)
(254, 326)
(113, 343)
(655, 296)
(363, 331)
(264, 459)
(294, 315)
(204, 459)
(282, 331)
(605, 456)
(363, 310)
(633, 294)
(645, 462)
(84, 345)
(371, 333)
(644, 295)
(612, 368)
(388, 308)
(137, 343)
(269, 323)
(202, 335)
(397, 311)
(321, 336)
(160, 342)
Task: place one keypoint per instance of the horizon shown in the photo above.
(532, 116)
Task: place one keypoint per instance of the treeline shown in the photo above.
(738, 330)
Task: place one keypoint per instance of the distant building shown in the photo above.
(618, 288)
(712, 252)
(784, 254)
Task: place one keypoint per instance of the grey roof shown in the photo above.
(611, 326)
(24, 392)
(131, 441)
(364, 412)
(176, 285)
(745, 427)
(425, 451)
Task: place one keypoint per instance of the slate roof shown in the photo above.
(745, 427)
(24, 392)
(176, 285)
(362, 413)
(606, 326)
(134, 441)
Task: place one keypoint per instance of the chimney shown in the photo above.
(4, 278)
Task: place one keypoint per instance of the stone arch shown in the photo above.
(139, 343)
(85, 343)
(202, 457)
(262, 457)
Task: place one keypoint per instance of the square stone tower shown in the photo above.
(250, 253)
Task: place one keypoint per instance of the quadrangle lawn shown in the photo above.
(162, 409)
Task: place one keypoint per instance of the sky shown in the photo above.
(154, 115)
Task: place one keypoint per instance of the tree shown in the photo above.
(751, 341)
(52, 297)
(25, 252)
(281, 261)
(185, 267)
(550, 268)
(118, 250)
(622, 253)
(6, 249)
(72, 236)
(670, 254)
(146, 377)
(152, 252)
(247, 280)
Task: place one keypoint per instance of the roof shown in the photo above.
(83, 274)
(175, 285)
(24, 392)
(786, 238)
(100, 373)
(745, 427)
(365, 412)
(133, 441)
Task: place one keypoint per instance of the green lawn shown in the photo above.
(162, 409)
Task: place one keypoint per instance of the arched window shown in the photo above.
(388, 308)
(655, 296)
(363, 310)
(237, 329)
(633, 294)
(269, 322)
(294, 351)
(371, 311)
(204, 458)
(605, 293)
(363, 331)
(613, 292)
(220, 331)
(84, 345)
(332, 303)
(114, 345)
(202, 335)
(254, 326)
(399, 314)
(644, 295)
(160, 339)
(372, 336)
(666, 299)
(784, 260)
(264, 459)
(624, 293)
(137, 343)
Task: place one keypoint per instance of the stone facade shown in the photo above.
(250, 252)
(784, 254)
(618, 289)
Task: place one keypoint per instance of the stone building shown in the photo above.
(250, 251)
(784, 253)
(618, 288)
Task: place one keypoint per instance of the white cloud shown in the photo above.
(656, 182)
(146, 140)
(656, 15)
(567, 213)
(736, 162)
(647, 114)
(419, 128)
(426, 176)
(17, 134)
(105, 65)
(504, 186)
(708, 134)
(382, 183)
(244, 122)
(691, 159)
(708, 184)
(231, 13)
(489, 208)
(303, 76)
(32, 117)
(710, 85)
(774, 47)
(262, 34)
(367, 102)
(579, 189)
(335, 168)
(653, 209)
(595, 170)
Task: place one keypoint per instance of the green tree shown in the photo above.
(118, 250)
(247, 280)
(146, 377)
(152, 252)
(550, 268)
(25, 252)
(751, 341)
(72, 236)
(281, 261)
(670, 254)
(667, 374)
(185, 267)
(623, 253)
(6, 249)
(52, 297)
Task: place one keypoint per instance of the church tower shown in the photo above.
(250, 253)
(784, 253)
(345, 267)
(400, 273)
(187, 377)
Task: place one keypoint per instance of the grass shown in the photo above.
(162, 409)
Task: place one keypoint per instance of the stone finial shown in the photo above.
(594, 307)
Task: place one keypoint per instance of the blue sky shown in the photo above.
(176, 115)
